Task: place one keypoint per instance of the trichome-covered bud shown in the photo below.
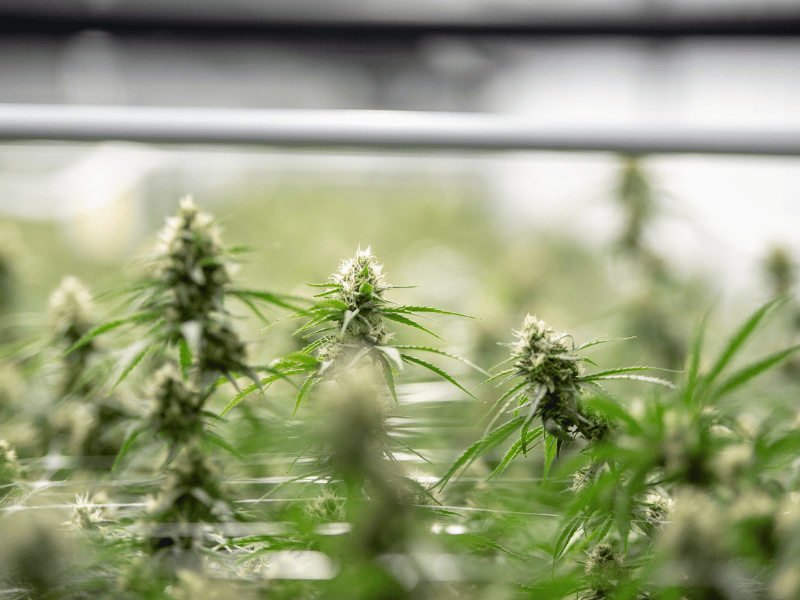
(604, 568)
(360, 285)
(10, 468)
(70, 311)
(658, 508)
(221, 350)
(543, 355)
(193, 494)
(544, 358)
(71, 318)
(86, 515)
(189, 263)
(176, 406)
(326, 508)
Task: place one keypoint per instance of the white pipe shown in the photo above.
(394, 130)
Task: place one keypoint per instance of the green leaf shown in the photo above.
(393, 355)
(408, 448)
(133, 433)
(481, 447)
(110, 325)
(549, 456)
(266, 381)
(437, 370)
(218, 441)
(736, 342)
(617, 371)
(303, 393)
(335, 303)
(282, 300)
(498, 376)
(567, 533)
(447, 354)
(601, 341)
(406, 321)
(504, 401)
(251, 305)
(185, 357)
(133, 356)
(745, 374)
(293, 359)
(424, 309)
(388, 376)
(515, 451)
(692, 379)
(644, 378)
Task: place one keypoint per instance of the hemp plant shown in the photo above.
(547, 385)
(351, 323)
(686, 488)
(181, 305)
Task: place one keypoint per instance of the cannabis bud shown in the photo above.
(176, 405)
(357, 290)
(543, 358)
(70, 310)
(604, 568)
(360, 285)
(189, 264)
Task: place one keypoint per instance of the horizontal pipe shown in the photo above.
(372, 129)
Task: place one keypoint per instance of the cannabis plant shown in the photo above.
(548, 385)
(350, 322)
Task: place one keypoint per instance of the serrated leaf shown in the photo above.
(597, 342)
(736, 342)
(447, 354)
(437, 370)
(567, 534)
(303, 393)
(481, 447)
(619, 370)
(745, 374)
(333, 303)
(218, 441)
(300, 357)
(644, 378)
(393, 355)
(281, 300)
(388, 376)
(251, 305)
(498, 376)
(133, 356)
(504, 402)
(265, 381)
(692, 378)
(408, 448)
(515, 451)
(406, 321)
(424, 309)
(109, 326)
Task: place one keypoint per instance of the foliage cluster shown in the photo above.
(196, 473)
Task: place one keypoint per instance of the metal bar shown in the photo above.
(321, 21)
(391, 130)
